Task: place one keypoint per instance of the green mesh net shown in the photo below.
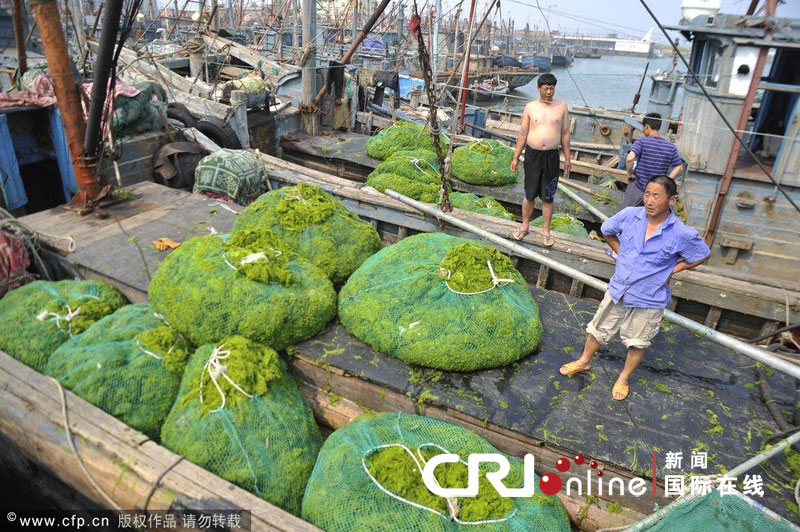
(410, 168)
(414, 189)
(137, 114)
(238, 175)
(563, 223)
(484, 162)
(432, 299)
(239, 415)
(315, 226)
(483, 205)
(216, 286)
(368, 477)
(727, 513)
(402, 136)
(420, 155)
(129, 364)
(37, 318)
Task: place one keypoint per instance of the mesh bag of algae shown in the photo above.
(238, 175)
(484, 162)
(402, 136)
(411, 167)
(129, 364)
(244, 283)
(368, 477)
(482, 205)
(316, 227)
(442, 302)
(37, 318)
(239, 415)
(563, 223)
(413, 188)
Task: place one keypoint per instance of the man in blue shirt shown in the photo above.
(654, 155)
(652, 245)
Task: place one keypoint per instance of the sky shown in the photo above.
(627, 17)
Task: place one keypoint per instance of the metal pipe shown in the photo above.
(19, 36)
(582, 202)
(733, 473)
(356, 43)
(66, 91)
(102, 72)
(756, 353)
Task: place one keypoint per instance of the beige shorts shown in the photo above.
(636, 326)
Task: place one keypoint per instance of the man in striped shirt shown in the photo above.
(654, 156)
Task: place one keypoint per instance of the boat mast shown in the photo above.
(462, 90)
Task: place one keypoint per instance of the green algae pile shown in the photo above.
(482, 205)
(401, 302)
(367, 477)
(484, 162)
(37, 318)
(563, 223)
(416, 174)
(129, 364)
(239, 415)
(402, 136)
(206, 295)
(313, 225)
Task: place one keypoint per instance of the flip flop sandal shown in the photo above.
(570, 369)
(621, 389)
(520, 234)
(546, 239)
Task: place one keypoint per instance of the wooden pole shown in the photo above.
(462, 90)
(309, 76)
(19, 36)
(66, 91)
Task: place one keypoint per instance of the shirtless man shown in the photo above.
(544, 127)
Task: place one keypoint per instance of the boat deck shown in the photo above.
(688, 394)
(346, 155)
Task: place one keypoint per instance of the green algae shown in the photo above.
(129, 364)
(315, 226)
(399, 303)
(663, 388)
(205, 299)
(396, 471)
(466, 267)
(713, 420)
(167, 343)
(38, 317)
(306, 205)
(402, 136)
(563, 223)
(264, 439)
(484, 162)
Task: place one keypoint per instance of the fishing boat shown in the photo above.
(489, 89)
(78, 455)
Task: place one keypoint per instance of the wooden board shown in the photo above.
(124, 462)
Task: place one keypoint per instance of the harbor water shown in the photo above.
(610, 82)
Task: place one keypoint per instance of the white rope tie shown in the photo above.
(253, 257)
(452, 503)
(58, 318)
(295, 195)
(472, 144)
(496, 281)
(215, 369)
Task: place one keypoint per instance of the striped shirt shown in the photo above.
(655, 156)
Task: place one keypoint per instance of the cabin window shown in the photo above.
(705, 61)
